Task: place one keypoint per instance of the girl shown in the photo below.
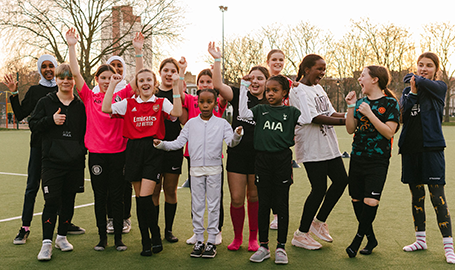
(204, 81)
(205, 135)
(374, 119)
(422, 149)
(273, 137)
(172, 161)
(104, 141)
(120, 66)
(275, 63)
(240, 161)
(60, 118)
(316, 146)
(143, 121)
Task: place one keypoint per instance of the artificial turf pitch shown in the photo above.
(393, 225)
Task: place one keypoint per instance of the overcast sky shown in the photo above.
(204, 19)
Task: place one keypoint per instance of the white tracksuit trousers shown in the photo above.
(202, 186)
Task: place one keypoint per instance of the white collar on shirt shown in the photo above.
(152, 99)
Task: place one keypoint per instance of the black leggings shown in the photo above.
(317, 173)
(439, 202)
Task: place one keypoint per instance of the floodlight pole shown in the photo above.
(222, 9)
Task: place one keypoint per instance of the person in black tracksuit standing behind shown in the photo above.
(46, 68)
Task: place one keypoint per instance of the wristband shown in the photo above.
(217, 59)
(345, 115)
(15, 93)
(139, 55)
(182, 78)
(351, 106)
(176, 96)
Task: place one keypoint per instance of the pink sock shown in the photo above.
(237, 217)
(26, 228)
(253, 208)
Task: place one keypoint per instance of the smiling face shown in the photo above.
(205, 82)
(166, 73)
(103, 80)
(48, 70)
(315, 74)
(274, 93)
(276, 63)
(65, 83)
(145, 84)
(118, 66)
(206, 102)
(366, 81)
(426, 68)
(257, 86)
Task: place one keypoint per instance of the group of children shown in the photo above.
(133, 132)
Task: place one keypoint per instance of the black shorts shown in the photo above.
(274, 168)
(423, 168)
(143, 160)
(172, 162)
(57, 182)
(241, 162)
(367, 177)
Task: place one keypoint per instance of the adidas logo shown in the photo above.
(134, 109)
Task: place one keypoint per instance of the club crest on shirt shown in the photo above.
(285, 116)
(156, 107)
(97, 169)
(117, 99)
(381, 110)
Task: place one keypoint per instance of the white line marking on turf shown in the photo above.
(20, 174)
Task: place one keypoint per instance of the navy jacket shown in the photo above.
(431, 97)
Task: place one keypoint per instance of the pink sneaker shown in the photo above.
(304, 240)
(321, 230)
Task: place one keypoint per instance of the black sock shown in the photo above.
(280, 245)
(265, 245)
(358, 208)
(169, 214)
(142, 222)
(157, 212)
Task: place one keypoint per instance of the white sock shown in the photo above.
(448, 248)
(419, 244)
(47, 241)
(60, 237)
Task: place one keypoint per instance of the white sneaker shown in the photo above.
(260, 255)
(321, 230)
(192, 240)
(45, 253)
(63, 244)
(274, 223)
(110, 225)
(280, 256)
(304, 240)
(218, 239)
(126, 226)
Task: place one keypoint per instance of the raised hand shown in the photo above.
(71, 37)
(248, 77)
(10, 83)
(59, 119)
(183, 63)
(351, 98)
(116, 78)
(215, 52)
(413, 85)
(175, 78)
(138, 41)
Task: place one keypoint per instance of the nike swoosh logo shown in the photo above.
(375, 193)
(264, 113)
(175, 168)
(285, 181)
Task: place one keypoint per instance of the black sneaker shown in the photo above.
(198, 249)
(21, 237)
(74, 229)
(170, 237)
(210, 251)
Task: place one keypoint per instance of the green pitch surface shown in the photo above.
(393, 225)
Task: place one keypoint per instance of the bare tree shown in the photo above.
(40, 26)
(240, 55)
(440, 39)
